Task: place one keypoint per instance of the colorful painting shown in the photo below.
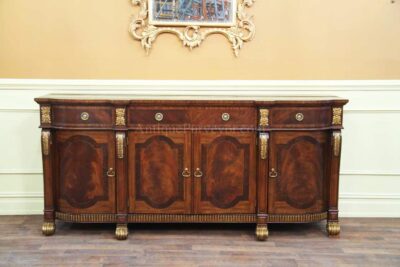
(193, 12)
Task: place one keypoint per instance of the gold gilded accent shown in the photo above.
(192, 36)
(337, 140)
(190, 218)
(121, 231)
(48, 228)
(262, 232)
(333, 228)
(46, 142)
(198, 173)
(264, 120)
(337, 116)
(120, 145)
(264, 145)
(45, 115)
(273, 173)
(95, 218)
(120, 116)
(311, 217)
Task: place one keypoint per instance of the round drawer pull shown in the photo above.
(159, 116)
(84, 116)
(299, 116)
(226, 116)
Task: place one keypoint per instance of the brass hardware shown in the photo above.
(120, 145)
(337, 116)
(186, 173)
(48, 228)
(299, 116)
(337, 140)
(111, 173)
(121, 231)
(159, 116)
(46, 115)
(226, 116)
(262, 232)
(84, 116)
(264, 145)
(46, 142)
(264, 120)
(120, 116)
(198, 173)
(333, 228)
(273, 173)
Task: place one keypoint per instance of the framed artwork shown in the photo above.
(192, 21)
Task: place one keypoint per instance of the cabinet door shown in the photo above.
(158, 182)
(297, 174)
(85, 164)
(224, 170)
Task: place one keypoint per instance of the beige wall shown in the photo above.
(296, 39)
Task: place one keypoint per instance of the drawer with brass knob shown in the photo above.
(300, 117)
(82, 116)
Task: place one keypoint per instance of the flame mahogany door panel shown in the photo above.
(156, 163)
(297, 173)
(83, 161)
(225, 181)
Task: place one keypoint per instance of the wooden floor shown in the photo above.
(363, 242)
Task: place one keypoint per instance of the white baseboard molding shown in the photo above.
(350, 205)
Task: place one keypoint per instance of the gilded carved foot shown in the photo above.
(262, 232)
(48, 228)
(121, 232)
(333, 228)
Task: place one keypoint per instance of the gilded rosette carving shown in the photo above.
(264, 118)
(45, 115)
(192, 36)
(120, 116)
(337, 116)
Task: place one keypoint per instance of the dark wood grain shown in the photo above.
(201, 161)
(227, 162)
(156, 162)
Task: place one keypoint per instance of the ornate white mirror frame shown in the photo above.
(192, 35)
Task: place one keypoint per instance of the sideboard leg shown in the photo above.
(48, 228)
(333, 228)
(262, 232)
(121, 232)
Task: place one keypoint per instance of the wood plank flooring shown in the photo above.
(363, 242)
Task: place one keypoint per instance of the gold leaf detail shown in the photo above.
(337, 116)
(45, 115)
(120, 116)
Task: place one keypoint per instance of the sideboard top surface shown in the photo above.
(191, 100)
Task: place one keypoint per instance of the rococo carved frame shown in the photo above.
(193, 35)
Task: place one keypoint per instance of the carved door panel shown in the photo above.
(159, 172)
(297, 175)
(224, 172)
(85, 166)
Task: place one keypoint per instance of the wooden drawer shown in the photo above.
(83, 116)
(221, 117)
(207, 117)
(300, 117)
(142, 116)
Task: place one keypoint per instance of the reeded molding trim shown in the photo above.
(94, 218)
(283, 218)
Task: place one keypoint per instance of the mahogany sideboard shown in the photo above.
(122, 159)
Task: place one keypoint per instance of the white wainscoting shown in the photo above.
(370, 170)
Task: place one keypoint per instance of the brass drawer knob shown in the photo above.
(84, 116)
(111, 173)
(226, 116)
(273, 173)
(159, 116)
(299, 116)
(186, 173)
(198, 173)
